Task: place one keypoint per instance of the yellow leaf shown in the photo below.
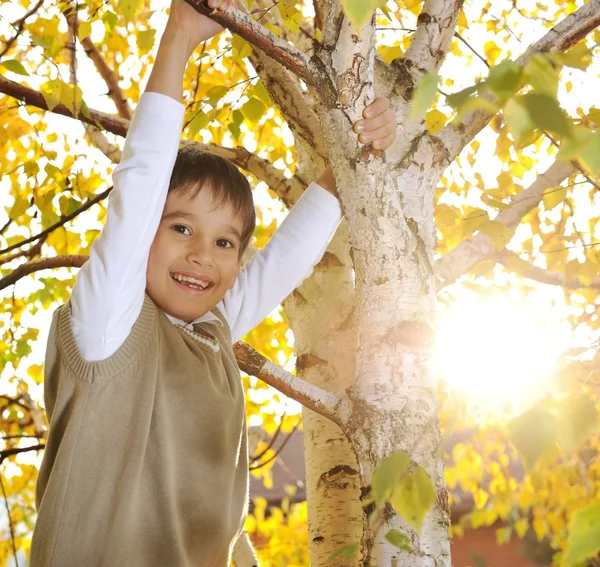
(84, 30)
(389, 52)
(435, 120)
(492, 52)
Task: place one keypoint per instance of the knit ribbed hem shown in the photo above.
(138, 338)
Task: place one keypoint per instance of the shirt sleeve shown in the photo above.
(109, 293)
(284, 263)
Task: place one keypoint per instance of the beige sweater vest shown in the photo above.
(146, 460)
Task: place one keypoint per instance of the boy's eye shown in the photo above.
(181, 229)
(224, 243)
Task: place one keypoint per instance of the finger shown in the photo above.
(378, 106)
(388, 117)
(373, 124)
(379, 133)
(384, 143)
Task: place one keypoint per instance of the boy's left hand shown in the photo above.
(379, 125)
(378, 128)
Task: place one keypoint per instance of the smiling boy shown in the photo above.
(146, 458)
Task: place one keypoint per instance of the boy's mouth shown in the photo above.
(198, 284)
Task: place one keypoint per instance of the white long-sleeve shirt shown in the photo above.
(109, 293)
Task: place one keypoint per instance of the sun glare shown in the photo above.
(497, 353)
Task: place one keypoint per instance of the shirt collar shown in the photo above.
(209, 317)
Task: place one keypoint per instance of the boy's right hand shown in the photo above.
(197, 27)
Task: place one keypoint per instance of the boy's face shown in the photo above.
(198, 241)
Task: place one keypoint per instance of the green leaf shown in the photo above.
(456, 100)
(584, 535)
(215, 94)
(260, 92)
(110, 20)
(344, 553)
(145, 40)
(499, 233)
(241, 48)
(533, 433)
(519, 123)
(590, 154)
(413, 498)
(424, 94)
(20, 205)
(578, 420)
(359, 11)
(14, 66)
(578, 57)
(129, 8)
(51, 92)
(254, 109)
(546, 113)
(505, 80)
(388, 474)
(200, 121)
(399, 540)
(543, 75)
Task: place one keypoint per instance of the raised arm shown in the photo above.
(300, 242)
(109, 292)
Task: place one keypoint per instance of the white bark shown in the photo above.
(474, 250)
(512, 262)
(435, 30)
(565, 34)
(321, 315)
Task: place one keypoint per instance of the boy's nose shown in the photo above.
(200, 255)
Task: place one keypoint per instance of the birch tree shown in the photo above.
(364, 323)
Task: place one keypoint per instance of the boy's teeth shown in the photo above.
(194, 281)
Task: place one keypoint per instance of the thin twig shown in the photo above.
(10, 523)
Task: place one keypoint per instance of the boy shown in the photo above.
(146, 460)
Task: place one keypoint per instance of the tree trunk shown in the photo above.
(321, 314)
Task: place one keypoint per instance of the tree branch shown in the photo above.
(564, 35)
(16, 450)
(430, 44)
(31, 97)
(324, 403)
(19, 26)
(514, 263)
(261, 168)
(474, 250)
(291, 101)
(246, 27)
(29, 253)
(41, 264)
(57, 224)
(112, 82)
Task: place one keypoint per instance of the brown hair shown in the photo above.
(196, 169)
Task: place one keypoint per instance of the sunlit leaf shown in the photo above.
(254, 109)
(414, 496)
(14, 66)
(387, 474)
(584, 535)
(577, 420)
(359, 11)
(424, 94)
(399, 540)
(533, 433)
